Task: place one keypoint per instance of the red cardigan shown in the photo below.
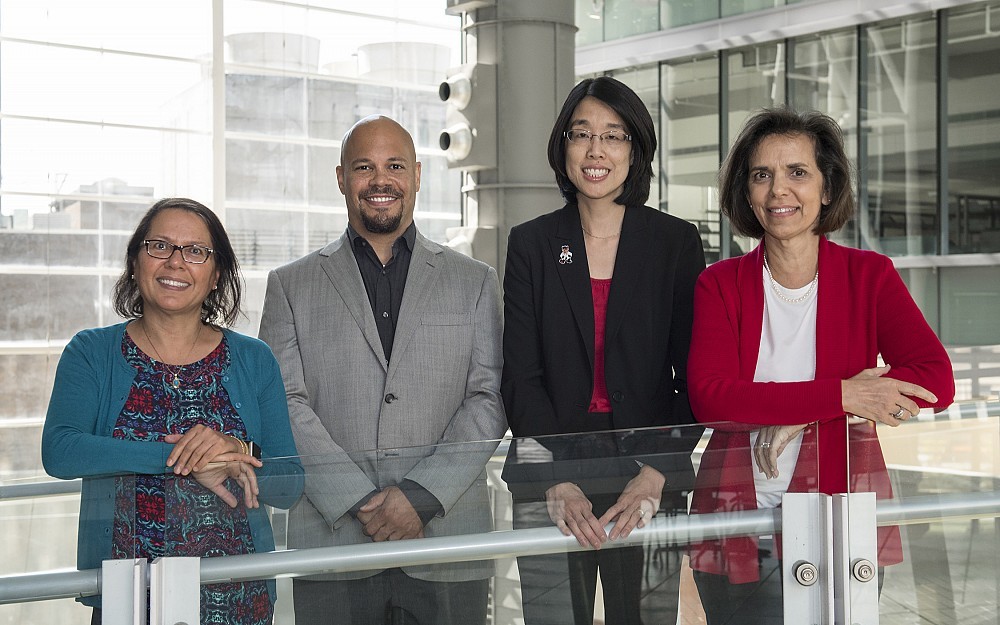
(864, 310)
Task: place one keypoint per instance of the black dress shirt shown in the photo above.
(385, 285)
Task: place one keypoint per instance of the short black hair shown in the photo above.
(222, 306)
(831, 159)
(638, 123)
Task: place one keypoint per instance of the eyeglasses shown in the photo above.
(610, 138)
(194, 254)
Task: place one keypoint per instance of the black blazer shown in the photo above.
(548, 338)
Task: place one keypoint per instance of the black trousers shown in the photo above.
(555, 586)
(390, 598)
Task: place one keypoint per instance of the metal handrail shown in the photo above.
(30, 490)
(490, 545)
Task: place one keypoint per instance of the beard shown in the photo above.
(384, 222)
(381, 222)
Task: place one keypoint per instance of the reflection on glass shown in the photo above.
(901, 215)
(689, 147)
(973, 143)
(946, 462)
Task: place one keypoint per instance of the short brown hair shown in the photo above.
(831, 159)
(222, 306)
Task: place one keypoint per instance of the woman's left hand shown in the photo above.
(637, 504)
(194, 449)
(771, 441)
(214, 476)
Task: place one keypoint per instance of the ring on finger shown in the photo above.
(765, 445)
(899, 413)
(642, 513)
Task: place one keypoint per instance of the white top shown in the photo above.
(787, 354)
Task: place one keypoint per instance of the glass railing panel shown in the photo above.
(488, 520)
(742, 473)
(578, 483)
(41, 522)
(939, 525)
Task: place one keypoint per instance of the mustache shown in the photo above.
(385, 190)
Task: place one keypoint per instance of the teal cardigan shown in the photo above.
(93, 381)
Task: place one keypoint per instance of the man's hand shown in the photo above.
(388, 515)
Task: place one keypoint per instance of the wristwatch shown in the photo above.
(253, 449)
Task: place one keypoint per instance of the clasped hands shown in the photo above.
(870, 394)
(212, 457)
(572, 512)
(389, 515)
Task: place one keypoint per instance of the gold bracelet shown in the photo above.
(244, 448)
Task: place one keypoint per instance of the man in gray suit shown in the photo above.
(390, 350)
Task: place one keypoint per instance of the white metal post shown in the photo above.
(807, 551)
(174, 591)
(855, 559)
(123, 591)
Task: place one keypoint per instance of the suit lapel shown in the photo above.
(420, 281)
(633, 253)
(574, 273)
(342, 269)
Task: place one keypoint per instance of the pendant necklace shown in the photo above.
(594, 236)
(176, 381)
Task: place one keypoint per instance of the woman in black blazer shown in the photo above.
(598, 310)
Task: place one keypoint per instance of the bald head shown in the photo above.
(376, 124)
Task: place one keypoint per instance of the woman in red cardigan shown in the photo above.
(785, 350)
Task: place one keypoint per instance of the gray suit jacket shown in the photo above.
(361, 423)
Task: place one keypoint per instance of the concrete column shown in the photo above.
(532, 45)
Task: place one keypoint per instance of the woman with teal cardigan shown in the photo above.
(178, 427)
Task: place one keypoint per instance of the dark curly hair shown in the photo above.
(222, 306)
(623, 101)
(831, 159)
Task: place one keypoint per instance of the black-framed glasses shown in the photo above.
(610, 138)
(194, 254)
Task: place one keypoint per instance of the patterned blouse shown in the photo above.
(172, 515)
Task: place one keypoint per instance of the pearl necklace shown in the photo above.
(176, 381)
(777, 288)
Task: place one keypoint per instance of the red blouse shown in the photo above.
(599, 401)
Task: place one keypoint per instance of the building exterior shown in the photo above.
(913, 90)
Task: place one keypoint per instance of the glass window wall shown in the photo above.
(674, 13)
(900, 121)
(689, 146)
(973, 130)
